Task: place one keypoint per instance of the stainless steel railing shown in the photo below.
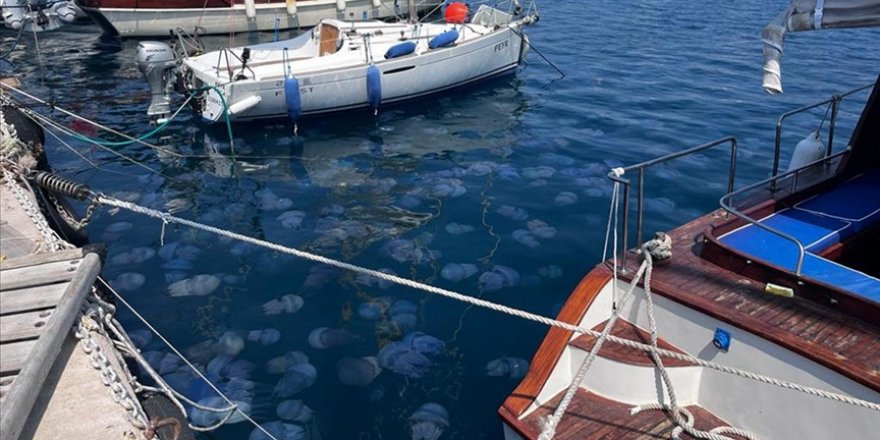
(641, 167)
(834, 101)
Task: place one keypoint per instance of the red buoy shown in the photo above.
(456, 13)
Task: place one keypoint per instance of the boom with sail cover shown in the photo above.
(805, 15)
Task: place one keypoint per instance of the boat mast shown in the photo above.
(413, 13)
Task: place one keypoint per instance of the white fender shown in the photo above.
(340, 5)
(807, 151)
(377, 3)
(250, 9)
(12, 17)
(291, 7)
(65, 11)
(244, 105)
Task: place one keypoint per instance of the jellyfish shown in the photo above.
(297, 378)
(230, 343)
(423, 343)
(140, 337)
(198, 285)
(400, 250)
(374, 309)
(174, 276)
(291, 219)
(280, 364)
(565, 198)
(178, 265)
(179, 380)
(324, 337)
(456, 272)
(498, 278)
(403, 306)
(178, 204)
(266, 336)
(238, 384)
(169, 364)
(541, 229)
(540, 172)
(136, 255)
(289, 303)
(239, 368)
(513, 367)
(294, 411)
(217, 366)
(118, 227)
(358, 372)
(458, 229)
(128, 281)
(278, 430)
(537, 183)
(153, 358)
(551, 272)
(370, 280)
(512, 212)
(525, 238)
(429, 421)
(401, 359)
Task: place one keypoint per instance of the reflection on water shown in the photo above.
(497, 191)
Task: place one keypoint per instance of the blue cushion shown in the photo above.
(856, 200)
(815, 232)
(776, 250)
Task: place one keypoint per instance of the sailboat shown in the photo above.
(340, 65)
(758, 320)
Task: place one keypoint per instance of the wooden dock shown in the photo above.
(48, 387)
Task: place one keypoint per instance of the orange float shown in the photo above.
(456, 13)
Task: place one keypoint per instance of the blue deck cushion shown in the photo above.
(783, 253)
(856, 200)
(815, 232)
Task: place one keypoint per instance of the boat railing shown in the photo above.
(833, 102)
(641, 167)
(726, 203)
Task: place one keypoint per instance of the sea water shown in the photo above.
(497, 191)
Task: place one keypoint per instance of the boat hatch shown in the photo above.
(330, 41)
(841, 214)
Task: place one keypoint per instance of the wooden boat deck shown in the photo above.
(595, 417)
(822, 334)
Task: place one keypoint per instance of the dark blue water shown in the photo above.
(644, 78)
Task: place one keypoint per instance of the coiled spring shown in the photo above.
(60, 185)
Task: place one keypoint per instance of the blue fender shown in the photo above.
(374, 86)
(401, 49)
(292, 98)
(444, 39)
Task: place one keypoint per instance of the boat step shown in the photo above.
(592, 416)
(626, 355)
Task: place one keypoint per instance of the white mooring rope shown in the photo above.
(168, 218)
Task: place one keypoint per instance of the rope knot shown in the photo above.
(659, 247)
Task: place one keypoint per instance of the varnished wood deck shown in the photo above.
(591, 416)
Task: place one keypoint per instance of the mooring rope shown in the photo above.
(168, 218)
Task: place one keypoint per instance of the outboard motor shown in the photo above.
(158, 63)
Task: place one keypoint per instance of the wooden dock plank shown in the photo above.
(45, 349)
(36, 259)
(5, 386)
(13, 356)
(21, 326)
(39, 275)
(29, 299)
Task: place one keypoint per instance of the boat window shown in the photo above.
(329, 38)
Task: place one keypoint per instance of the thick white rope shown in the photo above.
(168, 218)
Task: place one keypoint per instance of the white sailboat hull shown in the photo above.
(341, 84)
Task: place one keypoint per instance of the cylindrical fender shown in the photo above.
(292, 98)
(374, 86)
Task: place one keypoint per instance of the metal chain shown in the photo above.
(77, 224)
(89, 323)
(51, 238)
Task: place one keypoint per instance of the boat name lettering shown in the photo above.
(306, 89)
(501, 45)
